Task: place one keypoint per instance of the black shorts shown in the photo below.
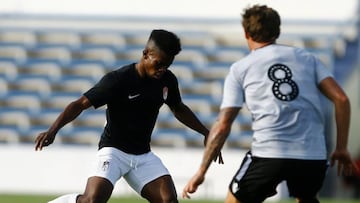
(258, 178)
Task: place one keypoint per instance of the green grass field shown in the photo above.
(7, 198)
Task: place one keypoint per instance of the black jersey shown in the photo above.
(133, 105)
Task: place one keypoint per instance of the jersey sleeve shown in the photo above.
(233, 94)
(173, 95)
(100, 94)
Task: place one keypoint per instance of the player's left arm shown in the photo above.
(186, 116)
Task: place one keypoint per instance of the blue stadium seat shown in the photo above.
(14, 118)
(73, 84)
(227, 55)
(82, 136)
(183, 73)
(16, 53)
(60, 53)
(8, 70)
(101, 54)
(91, 70)
(38, 85)
(3, 88)
(92, 118)
(202, 88)
(133, 53)
(197, 40)
(9, 134)
(45, 117)
(51, 69)
(23, 100)
(59, 100)
(25, 38)
(115, 41)
(194, 56)
(168, 138)
(136, 38)
(53, 37)
(215, 71)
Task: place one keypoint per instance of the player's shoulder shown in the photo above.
(300, 53)
(170, 74)
(123, 74)
(124, 69)
(169, 77)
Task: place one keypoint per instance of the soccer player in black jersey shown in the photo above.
(133, 95)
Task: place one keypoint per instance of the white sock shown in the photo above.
(70, 198)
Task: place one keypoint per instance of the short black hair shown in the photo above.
(167, 41)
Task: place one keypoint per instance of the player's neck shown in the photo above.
(258, 45)
(140, 70)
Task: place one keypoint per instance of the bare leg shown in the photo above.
(98, 190)
(230, 198)
(160, 190)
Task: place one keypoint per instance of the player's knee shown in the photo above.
(163, 199)
(308, 200)
(166, 200)
(91, 199)
(169, 201)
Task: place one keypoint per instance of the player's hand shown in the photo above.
(193, 184)
(345, 164)
(43, 139)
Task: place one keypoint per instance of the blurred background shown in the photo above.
(53, 51)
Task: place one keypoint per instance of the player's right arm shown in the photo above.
(334, 92)
(71, 111)
(218, 134)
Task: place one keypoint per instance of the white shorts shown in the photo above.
(137, 170)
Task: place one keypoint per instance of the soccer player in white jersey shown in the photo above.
(282, 87)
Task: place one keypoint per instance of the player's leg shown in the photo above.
(230, 198)
(305, 179)
(98, 190)
(69, 198)
(151, 179)
(256, 179)
(160, 190)
(108, 168)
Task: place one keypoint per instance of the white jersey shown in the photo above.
(279, 85)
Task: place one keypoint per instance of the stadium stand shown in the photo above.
(8, 70)
(39, 86)
(50, 70)
(44, 67)
(114, 41)
(86, 69)
(18, 37)
(16, 53)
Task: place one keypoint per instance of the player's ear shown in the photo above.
(145, 53)
(247, 36)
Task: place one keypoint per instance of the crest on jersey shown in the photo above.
(105, 165)
(165, 92)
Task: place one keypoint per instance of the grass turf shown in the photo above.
(15, 198)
